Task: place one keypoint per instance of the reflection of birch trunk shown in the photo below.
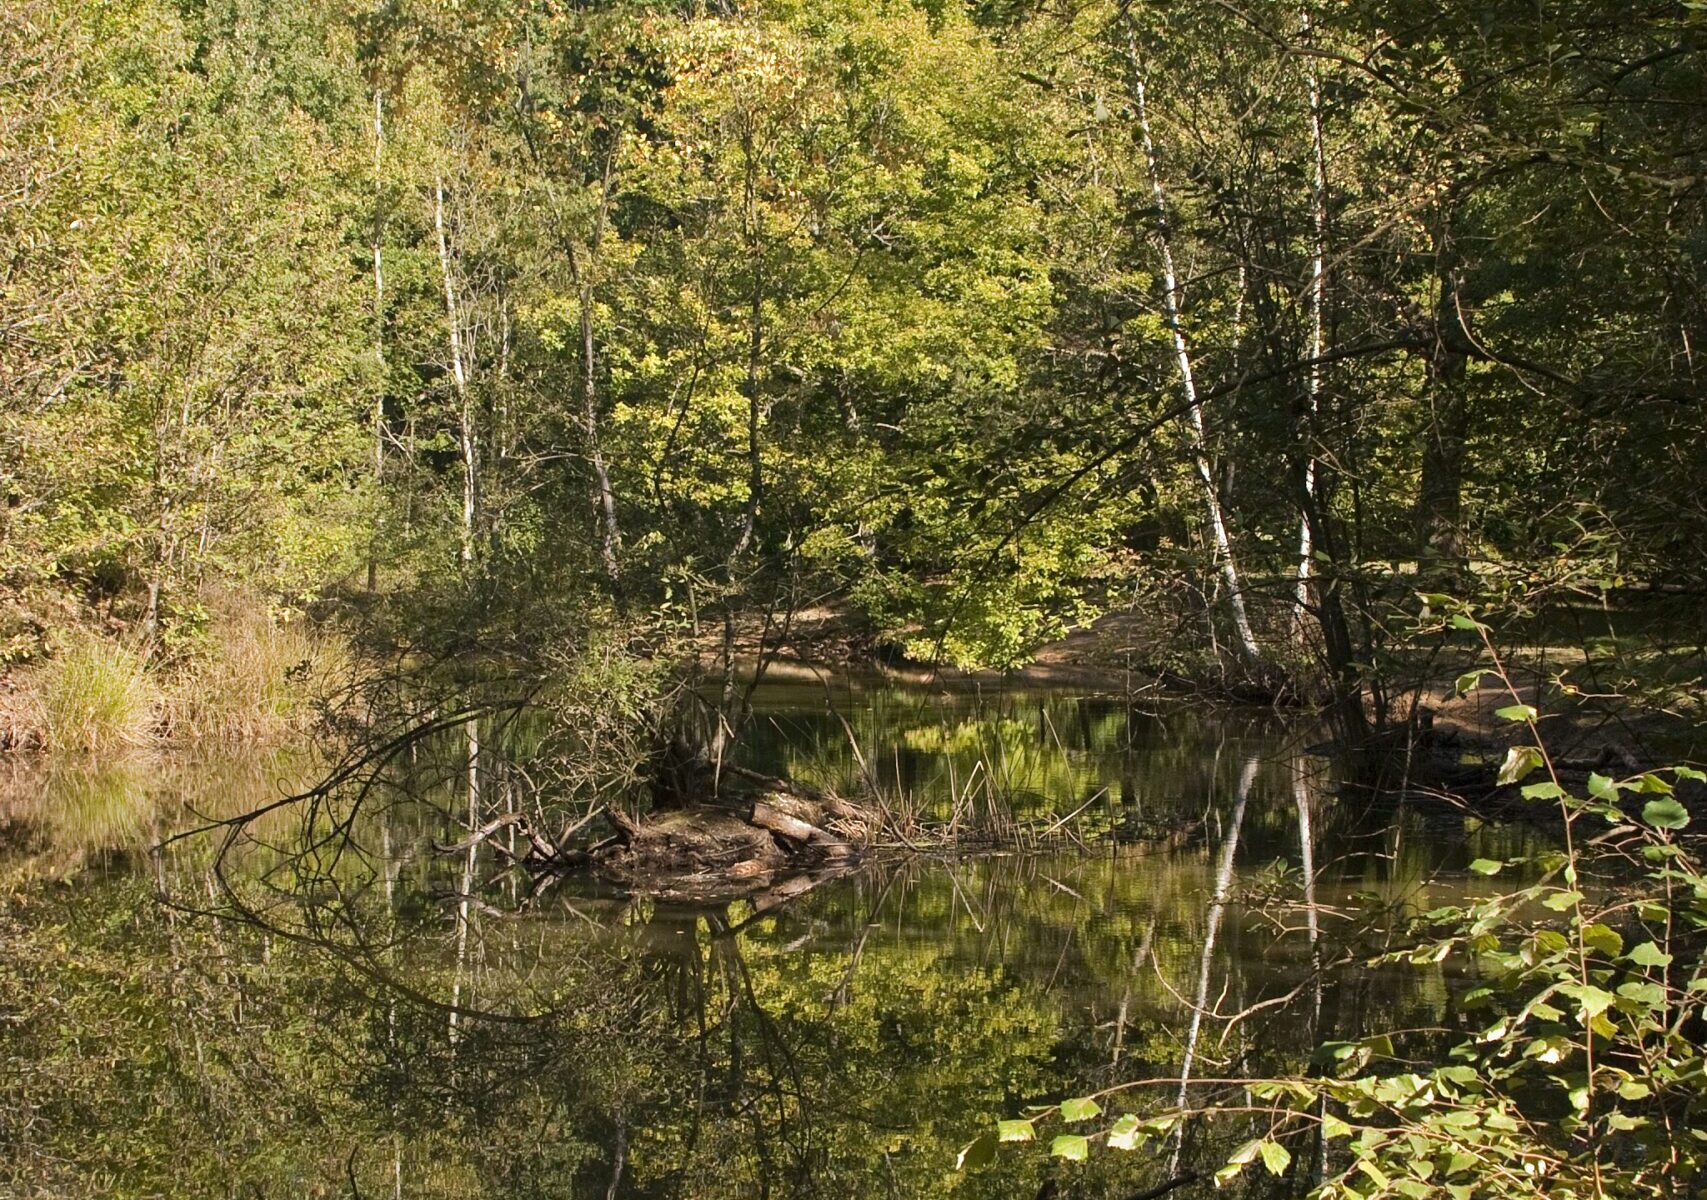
(1246, 640)
(1139, 958)
(1312, 925)
(459, 368)
(389, 866)
(1318, 325)
(1217, 906)
(466, 892)
(1307, 859)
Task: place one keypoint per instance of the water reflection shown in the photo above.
(847, 1043)
(59, 815)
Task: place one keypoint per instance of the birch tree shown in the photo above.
(457, 338)
(1318, 317)
(1198, 439)
(378, 326)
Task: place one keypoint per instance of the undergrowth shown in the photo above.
(244, 677)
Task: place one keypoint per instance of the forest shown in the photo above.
(1206, 494)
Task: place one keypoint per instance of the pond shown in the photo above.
(270, 1022)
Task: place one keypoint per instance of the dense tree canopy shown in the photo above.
(976, 319)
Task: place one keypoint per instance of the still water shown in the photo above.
(323, 1010)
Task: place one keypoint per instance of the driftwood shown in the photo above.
(539, 849)
(767, 815)
(759, 838)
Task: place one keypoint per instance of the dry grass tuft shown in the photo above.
(244, 679)
(254, 680)
(96, 695)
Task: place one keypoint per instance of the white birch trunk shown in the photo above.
(1249, 651)
(378, 324)
(1318, 326)
(459, 378)
(610, 533)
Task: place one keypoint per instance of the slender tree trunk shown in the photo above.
(160, 553)
(1312, 925)
(463, 913)
(1440, 503)
(459, 379)
(378, 329)
(496, 415)
(1318, 325)
(1313, 531)
(731, 714)
(151, 614)
(864, 536)
(603, 490)
(604, 493)
(1244, 638)
(610, 533)
(619, 1156)
(727, 696)
(1351, 721)
(1439, 507)
(755, 352)
(1439, 510)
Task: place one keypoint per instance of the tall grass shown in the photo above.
(251, 680)
(96, 695)
(244, 679)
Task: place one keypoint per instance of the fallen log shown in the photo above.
(767, 816)
(814, 837)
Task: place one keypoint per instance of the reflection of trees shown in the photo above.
(713, 1058)
(1212, 926)
(727, 1056)
(1035, 751)
(59, 813)
(802, 1075)
(363, 1017)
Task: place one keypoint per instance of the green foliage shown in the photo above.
(818, 298)
(1576, 1067)
(183, 406)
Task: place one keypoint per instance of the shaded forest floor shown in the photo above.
(1623, 685)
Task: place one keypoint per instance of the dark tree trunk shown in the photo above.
(1439, 508)
(1440, 495)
